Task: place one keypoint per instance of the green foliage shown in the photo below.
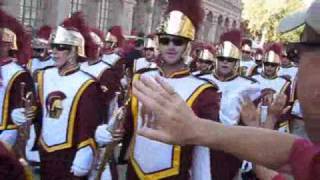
(262, 14)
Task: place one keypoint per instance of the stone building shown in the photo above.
(132, 15)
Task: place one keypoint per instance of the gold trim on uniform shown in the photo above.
(6, 103)
(175, 169)
(89, 142)
(72, 117)
(285, 86)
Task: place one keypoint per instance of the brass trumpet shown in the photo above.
(27, 101)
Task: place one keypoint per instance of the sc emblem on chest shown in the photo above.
(54, 104)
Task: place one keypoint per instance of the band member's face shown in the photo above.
(226, 66)
(285, 61)
(40, 53)
(203, 65)
(4, 49)
(108, 45)
(62, 54)
(172, 48)
(270, 69)
(246, 55)
(149, 53)
(258, 62)
(309, 91)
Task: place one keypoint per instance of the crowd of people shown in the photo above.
(175, 108)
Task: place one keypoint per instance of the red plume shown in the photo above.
(191, 8)
(44, 32)
(117, 32)
(99, 33)
(276, 47)
(23, 39)
(91, 50)
(210, 48)
(234, 36)
(78, 23)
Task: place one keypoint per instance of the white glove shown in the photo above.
(9, 136)
(124, 82)
(102, 135)
(82, 162)
(18, 116)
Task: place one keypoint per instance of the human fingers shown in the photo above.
(158, 135)
(150, 82)
(166, 86)
(155, 96)
(155, 86)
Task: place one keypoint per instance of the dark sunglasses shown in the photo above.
(38, 50)
(230, 60)
(61, 47)
(175, 41)
(270, 64)
(149, 49)
(205, 61)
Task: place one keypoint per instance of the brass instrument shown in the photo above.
(27, 101)
(119, 118)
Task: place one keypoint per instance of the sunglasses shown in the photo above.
(61, 47)
(149, 49)
(270, 64)
(229, 60)
(38, 50)
(205, 61)
(176, 41)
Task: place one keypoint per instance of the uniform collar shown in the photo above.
(4, 61)
(65, 71)
(266, 77)
(94, 62)
(226, 79)
(290, 65)
(45, 59)
(177, 74)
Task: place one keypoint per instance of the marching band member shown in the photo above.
(41, 55)
(16, 82)
(150, 54)
(246, 62)
(69, 109)
(206, 60)
(271, 83)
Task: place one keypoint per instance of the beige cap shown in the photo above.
(309, 16)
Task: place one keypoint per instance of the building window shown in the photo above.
(76, 5)
(103, 15)
(31, 12)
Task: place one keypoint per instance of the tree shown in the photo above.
(261, 14)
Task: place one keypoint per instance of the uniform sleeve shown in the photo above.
(221, 165)
(206, 105)
(304, 160)
(89, 116)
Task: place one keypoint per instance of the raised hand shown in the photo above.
(250, 115)
(172, 119)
